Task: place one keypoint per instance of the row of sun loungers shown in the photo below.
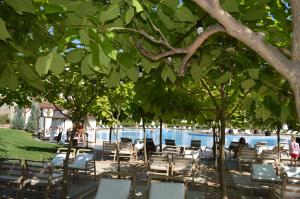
(33, 175)
(123, 187)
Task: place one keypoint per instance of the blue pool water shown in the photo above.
(183, 137)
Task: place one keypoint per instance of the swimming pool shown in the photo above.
(183, 137)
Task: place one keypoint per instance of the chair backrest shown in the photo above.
(11, 167)
(170, 142)
(196, 143)
(158, 157)
(108, 146)
(64, 150)
(58, 160)
(38, 169)
(113, 188)
(167, 190)
(125, 140)
(81, 151)
(81, 159)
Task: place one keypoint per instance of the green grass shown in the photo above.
(20, 144)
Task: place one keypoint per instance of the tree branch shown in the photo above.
(254, 40)
(189, 51)
(211, 95)
(238, 104)
(295, 4)
(144, 34)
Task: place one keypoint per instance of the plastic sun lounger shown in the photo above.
(167, 190)
(12, 172)
(170, 142)
(264, 173)
(59, 158)
(41, 177)
(115, 188)
(84, 162)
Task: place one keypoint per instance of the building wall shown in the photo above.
(9, 110)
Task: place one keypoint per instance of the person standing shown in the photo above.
(294, 150)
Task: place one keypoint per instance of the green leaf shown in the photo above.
(224, 78)
(247, 84)
(37, 84)
(171, 75)
(94, 67)
(57, 63)
(84, 37)
(129, 15)
(167, 72)
(196, 72)
(74, 56)
(95, 54)
(216, 53)
(183, 14)
(41, 65)
(137, 6)
(53, 61)
(171, 4)
(231, 6)
(206, 61)
(21, 5)
(85, 68)
(50, 9)
(104, 61)
(262, 113)
(254, 73)
(9, 78)
(112, 12)
(167, 21)
(109, 50)
(255, 13)
(82, 8)
(148, 65)
(28, 72)
(132, 73)
(113, 79)
(3, 31)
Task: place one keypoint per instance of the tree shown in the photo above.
(164, 31)
(18, 121)
(32, 123)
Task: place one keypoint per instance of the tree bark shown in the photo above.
(65, 184)
(295, 5)
(222, 168)
(278, 137)
(289, 69)
(160, 134)
(145, 140)
(110, 133)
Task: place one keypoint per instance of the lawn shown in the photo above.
(20, 144)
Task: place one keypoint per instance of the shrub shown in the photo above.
(4, 119)
(18, 121)
(32, 123)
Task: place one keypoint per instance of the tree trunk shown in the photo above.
(214, 145)
(278, 138)
(222, 159)
(65, 184)
(145, 140)
(110, 132)
(160, 134)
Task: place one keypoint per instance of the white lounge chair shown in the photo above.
(59, 158)
(115, 188)
(166, 190)
(83, 162)
(264, 173)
